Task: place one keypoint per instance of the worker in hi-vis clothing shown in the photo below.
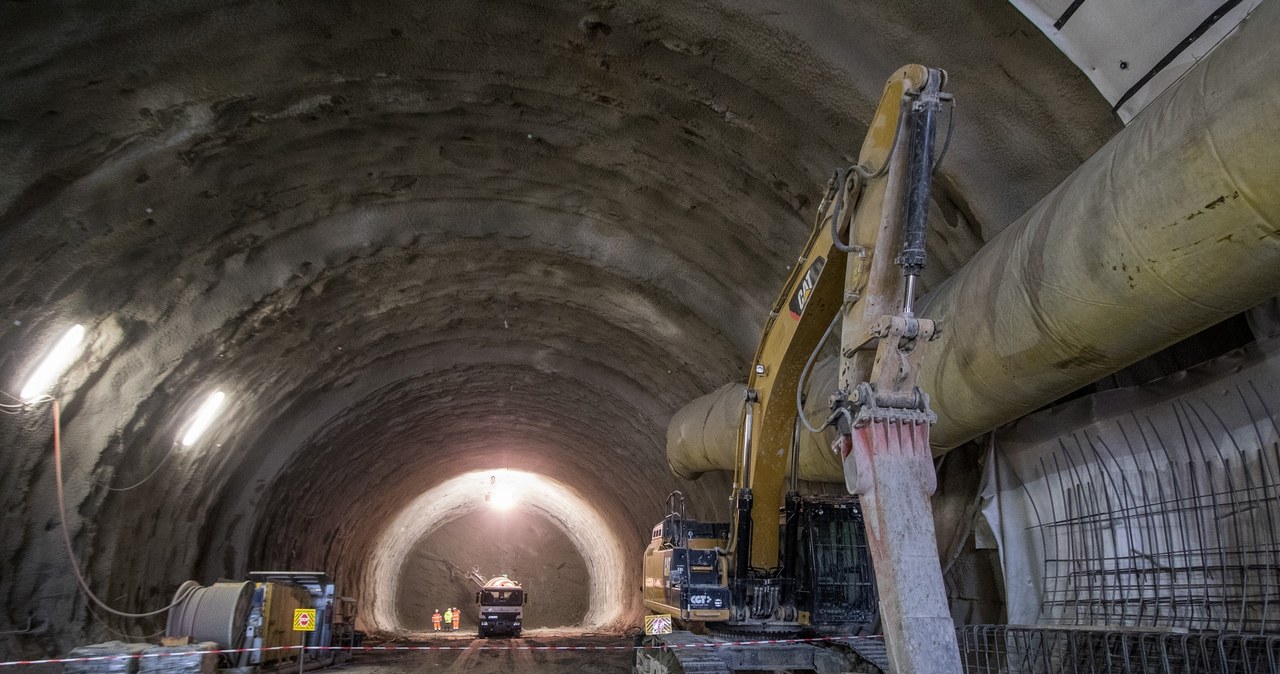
(457, 618)
(448, 617)
(435, 620)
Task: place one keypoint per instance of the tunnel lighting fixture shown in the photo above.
(204, 417)
(59, 359)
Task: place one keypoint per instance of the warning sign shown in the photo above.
(304, 620)
(657, 624)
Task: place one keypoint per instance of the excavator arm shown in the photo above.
(858, 270)
(830, 280)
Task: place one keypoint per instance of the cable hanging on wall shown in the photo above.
(66, 534)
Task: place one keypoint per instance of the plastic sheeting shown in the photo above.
(1155, 506)
(1132, 51)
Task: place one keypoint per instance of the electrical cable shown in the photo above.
(848, 416)
(30, 621)
(805, 373)
(130, 638)
(951, 118)
(143, 480)
(18, 407)
(863, 176)
(24, 403)
(66, 535)
(842, 179)
(897, 130)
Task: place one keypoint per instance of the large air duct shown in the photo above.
(1171, 227)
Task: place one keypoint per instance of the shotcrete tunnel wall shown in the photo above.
(411, 240)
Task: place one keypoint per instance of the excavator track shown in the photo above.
(871, 649)
(679, 653)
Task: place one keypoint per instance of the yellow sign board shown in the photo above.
(304, 620)
(657, 624)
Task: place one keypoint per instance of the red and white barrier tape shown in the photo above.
(470, 646)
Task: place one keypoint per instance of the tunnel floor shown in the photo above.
(535, 652)
(501, 656)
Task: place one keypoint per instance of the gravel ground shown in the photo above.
(500, 656)
(469, 654)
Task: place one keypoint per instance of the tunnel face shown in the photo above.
(524, 546)
(415, 244)
(524, 525)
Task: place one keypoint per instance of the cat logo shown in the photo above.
(801, 299)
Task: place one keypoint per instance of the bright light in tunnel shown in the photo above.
(609, 586)
(504, 497)
(501, 495)
(59, 359)
(204, 417)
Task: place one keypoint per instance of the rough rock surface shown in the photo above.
(528, 548)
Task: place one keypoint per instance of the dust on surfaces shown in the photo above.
(610, 654)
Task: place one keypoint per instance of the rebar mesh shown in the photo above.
(1007, 649)
(1149, 536)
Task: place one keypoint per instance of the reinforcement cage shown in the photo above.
(1010, 649)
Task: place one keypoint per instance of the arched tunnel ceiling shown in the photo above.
(411, 240)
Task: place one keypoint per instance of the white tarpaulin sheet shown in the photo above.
(1157, 506)
(1132, 50)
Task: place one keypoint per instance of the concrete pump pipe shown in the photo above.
(1171, 227)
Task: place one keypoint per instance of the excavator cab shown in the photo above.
(826, 582)
(684, 567)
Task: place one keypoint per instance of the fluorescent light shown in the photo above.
(57, 362)
(204, 416)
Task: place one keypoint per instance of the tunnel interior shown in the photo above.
(418, 246)
(518, 544)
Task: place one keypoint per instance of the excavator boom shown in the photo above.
(788, 561)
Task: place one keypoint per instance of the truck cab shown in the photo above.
(501, 602)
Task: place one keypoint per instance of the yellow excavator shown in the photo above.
(806, 575)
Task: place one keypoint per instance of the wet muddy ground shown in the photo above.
(537, 652)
